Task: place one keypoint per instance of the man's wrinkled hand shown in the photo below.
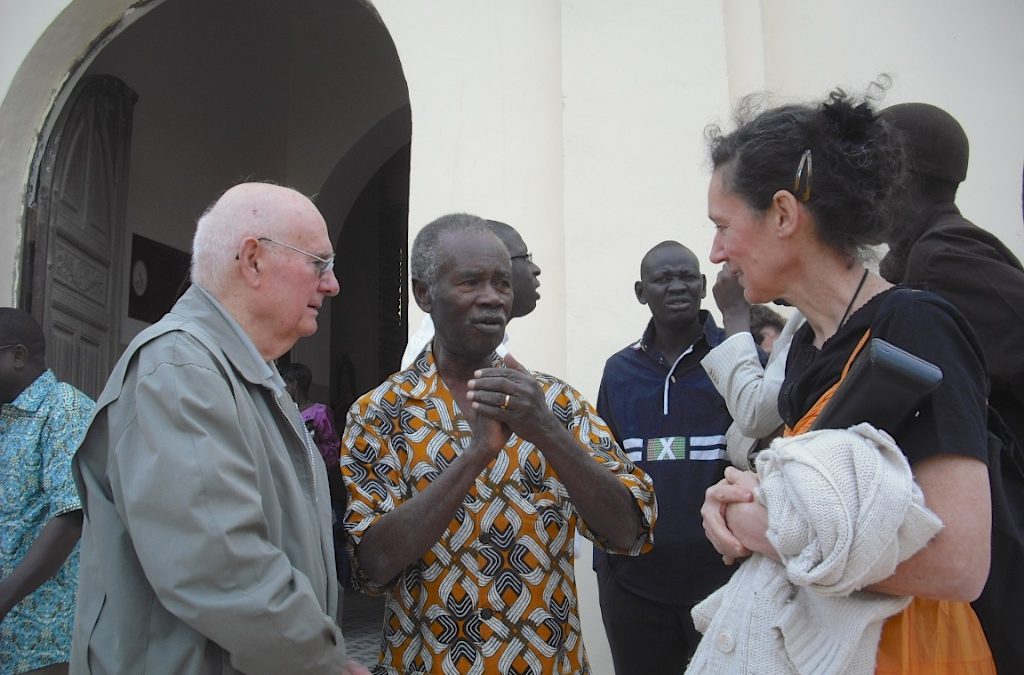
(512, 397)
(489, 434)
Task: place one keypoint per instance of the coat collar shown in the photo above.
(218, 324)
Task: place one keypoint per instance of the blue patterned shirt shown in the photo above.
(39, 432)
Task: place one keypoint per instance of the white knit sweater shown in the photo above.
(843, 512)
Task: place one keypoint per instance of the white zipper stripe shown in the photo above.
(668, 379)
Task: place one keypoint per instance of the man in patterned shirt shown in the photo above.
(467, 475)
(41, 423)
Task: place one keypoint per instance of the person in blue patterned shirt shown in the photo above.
(41, 423)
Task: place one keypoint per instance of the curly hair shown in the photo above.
(858, 163)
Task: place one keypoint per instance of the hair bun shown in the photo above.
(852, 123)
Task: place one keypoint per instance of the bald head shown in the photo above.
(679, 252)
(245, 210)
(936, 145)
(672, 287)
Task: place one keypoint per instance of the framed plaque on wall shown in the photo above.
(156, 278)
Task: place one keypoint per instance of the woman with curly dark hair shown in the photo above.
(797, 195)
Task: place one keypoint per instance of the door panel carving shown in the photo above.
(77, 235)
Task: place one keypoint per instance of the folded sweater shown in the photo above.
(843, 512)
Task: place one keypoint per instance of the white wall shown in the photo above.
(580, 123)
(963, 57)
(485, 91)
(639, 86)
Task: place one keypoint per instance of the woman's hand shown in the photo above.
(717, 499)
(748, 521)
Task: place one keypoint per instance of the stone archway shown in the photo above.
(286, 95)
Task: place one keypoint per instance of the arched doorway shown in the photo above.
(250, 89)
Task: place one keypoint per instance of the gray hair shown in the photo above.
(427, 257)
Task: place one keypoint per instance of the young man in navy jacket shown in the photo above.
(670, 420)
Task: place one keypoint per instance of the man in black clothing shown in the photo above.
(935, 248)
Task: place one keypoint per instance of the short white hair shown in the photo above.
(245, 210)
(212, 251)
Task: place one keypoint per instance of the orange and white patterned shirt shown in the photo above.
(497, 592)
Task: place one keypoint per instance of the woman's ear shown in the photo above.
(786, 213)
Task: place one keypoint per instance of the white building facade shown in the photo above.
(580, 122)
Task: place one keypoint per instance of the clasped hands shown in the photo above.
(734, 522)
(506, 400)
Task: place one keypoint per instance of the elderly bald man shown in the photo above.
(207, 543)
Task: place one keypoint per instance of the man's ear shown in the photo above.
(703, 287)
(638, 288)
(20, 355)
(249, 261)
(786, 214)
(421, 292)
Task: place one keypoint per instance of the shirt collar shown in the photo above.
(646, 342)
(32, 396)
(420, 380)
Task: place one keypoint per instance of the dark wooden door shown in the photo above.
(76, 232)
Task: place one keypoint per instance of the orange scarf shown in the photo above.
(929, 637)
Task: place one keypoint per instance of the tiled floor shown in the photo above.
(362, 619)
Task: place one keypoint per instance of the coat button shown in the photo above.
(485, 537)
(724, 642)
(486, 613)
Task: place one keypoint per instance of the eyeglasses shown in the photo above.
(323, 265)
(9, 346)
(805, 162)
(528, 256)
